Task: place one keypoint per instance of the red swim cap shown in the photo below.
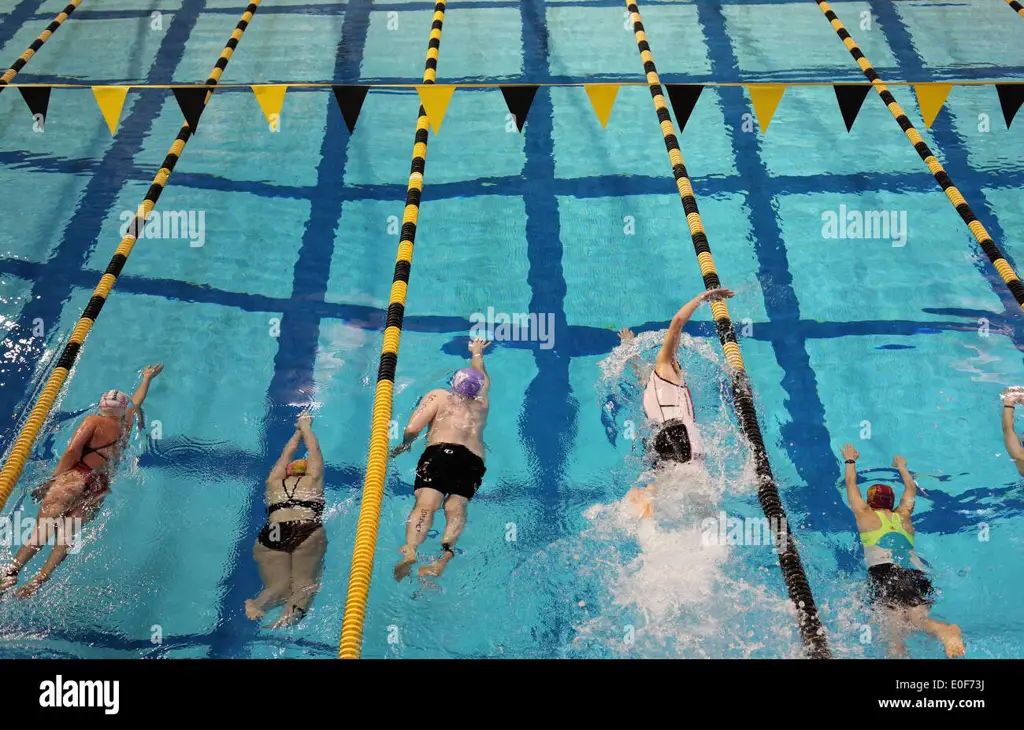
(881, 496)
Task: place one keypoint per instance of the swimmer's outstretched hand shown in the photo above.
(899, 462)
(400, 449)
(715, 295)
(305, 420)
(849, 452)
(626, 334)
(151, 371)
(478, 345)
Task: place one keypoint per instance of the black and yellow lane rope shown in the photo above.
(33, 424)
(350, 644)
(38, 43)
(995, 255)
(813, 633)
(1016, 6)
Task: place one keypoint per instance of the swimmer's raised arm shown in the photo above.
(857, 503)
(1013, 445)
(422, 417)
(670, 346)
(314, 457)
(280, 469)
(477, 347)
(148, 373)
(909, 485)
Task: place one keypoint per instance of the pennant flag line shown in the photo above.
(602, 98)
(192, 102)
(519, 99)
(850, 98)
(350, 101)
(111, 102)
(435, 99)
(683, 98)
(766, 98)
(271, 101)
(931, 97)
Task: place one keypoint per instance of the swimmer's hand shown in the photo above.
(151, 371)
(626, 334)
(305, 420)
(400, 449)
(849, 452)
(477, 346)
(899, 462)
(715, 295)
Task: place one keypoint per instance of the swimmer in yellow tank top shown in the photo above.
(899, 587)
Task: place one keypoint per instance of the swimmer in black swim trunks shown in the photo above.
(452, 466)
(899, 587)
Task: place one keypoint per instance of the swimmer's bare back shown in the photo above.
(458, 420)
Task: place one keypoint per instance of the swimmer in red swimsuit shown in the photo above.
(79, 483)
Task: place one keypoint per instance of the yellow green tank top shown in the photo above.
(890, 543)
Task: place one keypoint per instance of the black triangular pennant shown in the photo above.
(350, 101)
(1011, 96)
(850, 98)
(519, 99)
(37, 98)
(683, 98)
(192, 102)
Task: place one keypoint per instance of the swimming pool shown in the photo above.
(284, 305)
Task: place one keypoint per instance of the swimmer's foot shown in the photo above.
(404, 567)
(953, 640)
(436, 568)
(291, 615)
(29, 589)
(251, 612)
(641, 502)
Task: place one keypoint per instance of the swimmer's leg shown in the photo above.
(421, 519)
(894, 622)
(455, 523)
(58, 502)
(307, 565)
(949, 634)
(276, 573)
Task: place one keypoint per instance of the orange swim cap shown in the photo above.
(297, 467)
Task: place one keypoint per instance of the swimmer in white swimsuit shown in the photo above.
(667, 399)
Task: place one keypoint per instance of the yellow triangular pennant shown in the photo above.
(765, 98)
(435, 99)
(602, 98)
(271, 99)
(931, 97)
(111, 101)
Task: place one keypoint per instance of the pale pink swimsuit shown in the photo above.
(665, 401)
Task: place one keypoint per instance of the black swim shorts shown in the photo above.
(894, 586)
(450, 469)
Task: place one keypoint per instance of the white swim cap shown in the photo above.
(114, 400)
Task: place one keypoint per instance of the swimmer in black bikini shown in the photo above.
(79, 484)
(452, 466)
(290, 548)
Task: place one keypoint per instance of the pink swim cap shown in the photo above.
(467, 382)
(114, 400)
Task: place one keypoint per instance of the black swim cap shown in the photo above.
(673, 442)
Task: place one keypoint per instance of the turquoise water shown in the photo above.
(284, 306)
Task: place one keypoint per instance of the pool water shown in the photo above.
(896, 349)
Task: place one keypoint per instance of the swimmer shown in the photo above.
(452, 466)
(290, 548)
(1012, 397)
(79, 483)
(898, 584)
(668, 402)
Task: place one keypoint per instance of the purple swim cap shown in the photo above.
(467, 382)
